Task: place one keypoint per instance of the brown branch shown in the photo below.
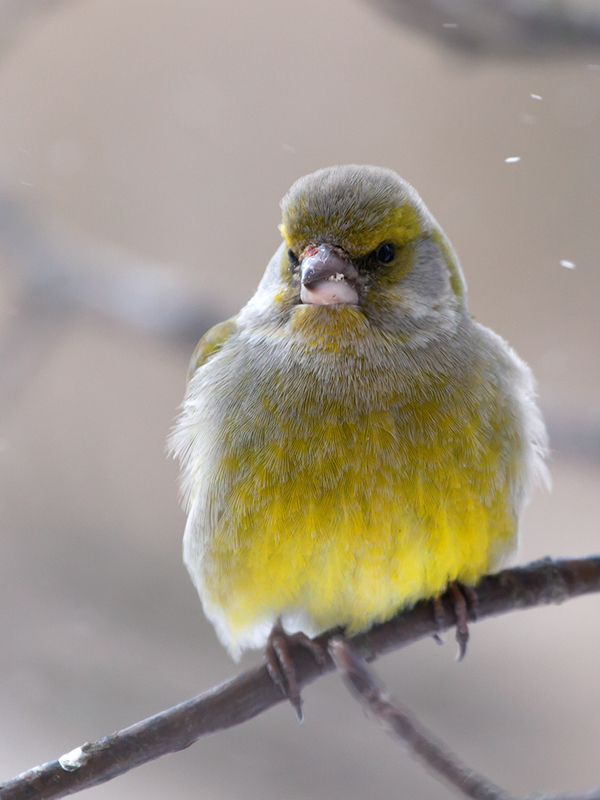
(253, 692)
(364, 685)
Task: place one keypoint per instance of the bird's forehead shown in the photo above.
(355, 210)
(357, 233)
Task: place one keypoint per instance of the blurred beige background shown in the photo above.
(170, 129)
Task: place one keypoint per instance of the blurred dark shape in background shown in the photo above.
(503, 28)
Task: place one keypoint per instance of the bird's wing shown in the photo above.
(212, 341)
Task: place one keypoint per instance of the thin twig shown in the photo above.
(540, 583)
(364, 685)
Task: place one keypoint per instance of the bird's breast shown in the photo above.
(289, 424)
(341, 483)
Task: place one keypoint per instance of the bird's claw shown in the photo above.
(280, 665)
(465, 603)
(438, 613)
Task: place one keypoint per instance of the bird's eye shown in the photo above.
(294, 260)
(386, 253)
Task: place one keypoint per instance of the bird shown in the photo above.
(352, 441)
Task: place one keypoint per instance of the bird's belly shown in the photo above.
(342, 521)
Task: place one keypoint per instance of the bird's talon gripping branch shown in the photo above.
(280, 665)
(465, 604)
(464, 600)
(438, 614)
(472, 601)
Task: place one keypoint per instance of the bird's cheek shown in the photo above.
(286, 295)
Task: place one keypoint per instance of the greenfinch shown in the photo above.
(352, 441)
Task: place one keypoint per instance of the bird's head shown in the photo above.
(360, 236)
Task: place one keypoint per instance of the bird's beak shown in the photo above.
(327, 278)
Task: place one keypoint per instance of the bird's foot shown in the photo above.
(464, 603)
(439, 616)
(280, 665)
